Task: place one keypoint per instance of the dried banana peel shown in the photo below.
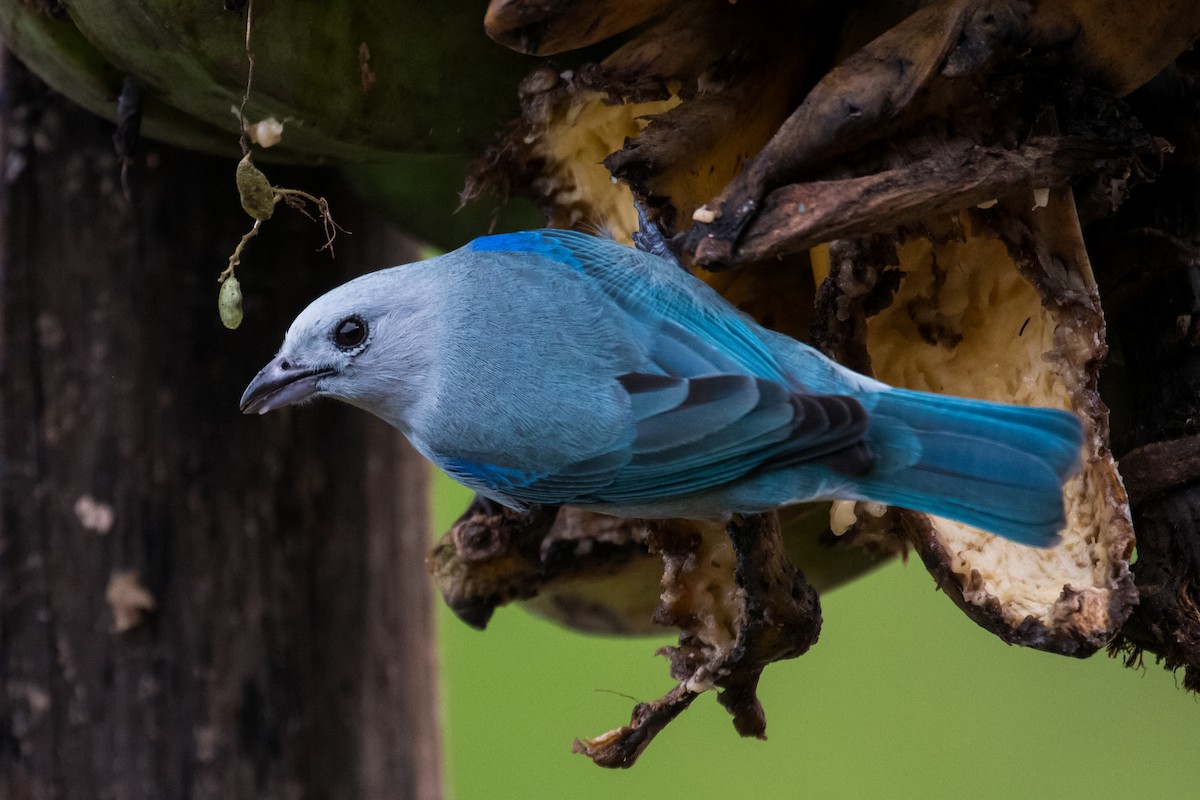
(695, 96)
(1121, 44)
(1001, 305)
(600, 574)
(936, 64)
(554, 152)
(732, 591)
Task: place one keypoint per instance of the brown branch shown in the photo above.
(621, 747)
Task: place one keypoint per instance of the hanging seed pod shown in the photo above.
(229, 302)
(258, 198)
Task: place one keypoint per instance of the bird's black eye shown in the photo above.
(350, 333)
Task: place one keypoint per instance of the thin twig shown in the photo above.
(236, 258)
(249, 80)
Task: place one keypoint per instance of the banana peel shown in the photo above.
(733, 590)
(1145, 260)
(900, 81)
(691, 100)
(602, 575)
(942, 52)
(1000, 304)
(741, 594)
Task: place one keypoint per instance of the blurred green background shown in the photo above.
(902, 696)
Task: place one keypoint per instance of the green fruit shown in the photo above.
(258, 198)
(229, 302)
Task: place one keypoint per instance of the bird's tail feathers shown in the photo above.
(994, 466)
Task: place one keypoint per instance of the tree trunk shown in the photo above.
(193, 603)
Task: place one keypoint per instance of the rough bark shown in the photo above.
(274, 636)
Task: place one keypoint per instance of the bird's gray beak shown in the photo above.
(280, 384)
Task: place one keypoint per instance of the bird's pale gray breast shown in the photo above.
(529, 355)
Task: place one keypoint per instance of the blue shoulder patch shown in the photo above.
(535, 242)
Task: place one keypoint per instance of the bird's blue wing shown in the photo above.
(693, 434)
(711, 405)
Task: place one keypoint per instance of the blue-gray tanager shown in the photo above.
(560, 368)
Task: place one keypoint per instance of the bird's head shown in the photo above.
(349, 344)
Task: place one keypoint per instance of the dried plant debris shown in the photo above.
(730, 630)
(1166, 622)
(731, 76)
(959, 175)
